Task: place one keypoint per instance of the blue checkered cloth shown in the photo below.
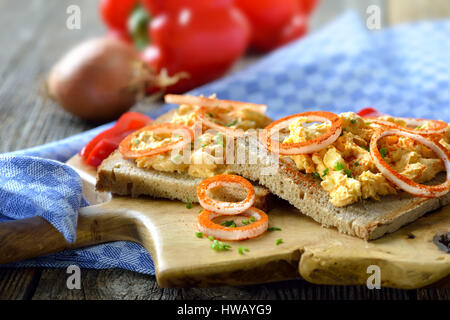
(403, 71)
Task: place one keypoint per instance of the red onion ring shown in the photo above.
(305, 147)
(402, 182)
(219, 232)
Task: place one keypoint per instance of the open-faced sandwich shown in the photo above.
(158, 162)
(364, 176)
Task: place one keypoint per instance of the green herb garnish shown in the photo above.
(210, 114)
(356, 163)
(188, 204)
(229, 224)
(136, 141)
(383, 152)
(220, 246)
(419, 127)
(219, 140)
(325, 172)
(242, 249)
(339, 166)
(211, 238)
(232, 123)
(279, 241)
(368, 123)
(245, 222)
(317, 175)
(348, 173)
(353, 121)
(274, 229)
(199, 234)
(252, 219)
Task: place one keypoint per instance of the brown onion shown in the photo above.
(99, 79)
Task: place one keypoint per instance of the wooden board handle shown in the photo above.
(33, 237)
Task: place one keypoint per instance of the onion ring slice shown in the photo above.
(305, 147)
(439, 127)
(219, 232)
(402, 182)
(125, 147)
(225, 207)
(212, 103)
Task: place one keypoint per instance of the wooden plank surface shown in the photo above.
(29, 48)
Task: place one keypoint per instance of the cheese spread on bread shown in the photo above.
(346, 168)
(207, 156)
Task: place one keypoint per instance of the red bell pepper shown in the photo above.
(103, 144)
(115, 14)
(276, 22)
(197, 37)
(369, 112)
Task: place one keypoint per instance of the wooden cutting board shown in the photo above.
(408, 258)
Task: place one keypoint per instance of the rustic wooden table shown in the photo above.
(33, 35)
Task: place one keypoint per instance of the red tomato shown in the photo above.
(268, 18)
(203, 42)
(115, 13)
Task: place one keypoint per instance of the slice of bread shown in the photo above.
(122, 177)
(367, 219)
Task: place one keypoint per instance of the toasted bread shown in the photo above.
(367, 219)
(122, 177)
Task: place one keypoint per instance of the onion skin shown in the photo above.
(98, 80)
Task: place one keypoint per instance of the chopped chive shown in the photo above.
(353, 121)
(220, 246)
(232, 123)
(317, 175)
(383, 152)
(199, 234)
(356, 163)
(188, 204)
(419, 127)
(211, 238)
(348, 173)
(325, 172)
(219, 140)
(245, 221)
(274, 229)
(242, 249)
(229, 223)
(342, 133)
(210, 114)
(252, 219)
(279, 241)
(203, 145)
(367, 148)
(368, 123)
(339, 166)
(136, 141)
